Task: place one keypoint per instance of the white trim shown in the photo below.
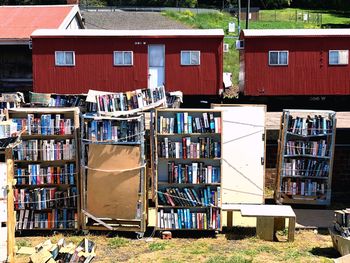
(123, 65)
(65, 65)
(69, 18)
(278, 52)
(156, 32)
(191, 51)
(295, 32)
(338, 64)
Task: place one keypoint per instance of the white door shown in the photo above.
(243, 153)
(156, 65)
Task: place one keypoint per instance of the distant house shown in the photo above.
(281, 62)
(16, 25)
(74, 61)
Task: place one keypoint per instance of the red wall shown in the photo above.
(307, 73)
(94, 64)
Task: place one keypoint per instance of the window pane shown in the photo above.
(283, 58)
(156, 56)
(118, 58)
(127, 58)
(273, 60)
(185, 58)
(69, 58)
(60, 58)
(343, 57)
(195, 58)
(333, 57)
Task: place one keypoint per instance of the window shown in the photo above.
(64, 58)
(278, 58)
(189, 58)
(123, 58)
(338, 57)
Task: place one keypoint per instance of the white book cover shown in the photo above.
(161, 218)
(166, 145)
(302, 188)
(160, 128)
(185, 115)
(172, 122)
(158, 219)
(206, 121)
(21, 219)
(177, 150)
(25, 221)
(194, 172)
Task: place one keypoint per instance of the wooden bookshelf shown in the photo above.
(305, 157)
(187, 167)
(121, 206)
(48, 151)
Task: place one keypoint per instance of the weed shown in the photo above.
(23, 243)
(117, 242)
(156, 246)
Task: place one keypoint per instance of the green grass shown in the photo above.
(156, 246)
(279, 19)
(117, 242)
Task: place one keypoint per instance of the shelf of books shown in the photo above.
(188, 169)
(305, 157)
(113, 173)
(46, 168)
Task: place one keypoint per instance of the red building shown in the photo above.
(120, 60)
(295, 62)
(17, 23)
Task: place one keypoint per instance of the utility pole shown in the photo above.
(247, 15)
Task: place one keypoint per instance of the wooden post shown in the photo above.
(10, 207)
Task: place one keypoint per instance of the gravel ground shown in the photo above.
(129, 20)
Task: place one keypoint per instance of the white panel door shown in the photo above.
(243, 153)
(156, 65)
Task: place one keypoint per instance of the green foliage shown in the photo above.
(234, 259)
(23, 243)
(117, 242)
(156, 246)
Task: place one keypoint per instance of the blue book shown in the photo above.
(189, 124)
(93, 131)
(71, 173)
(209, 195)
(205, 197)
(64, 218)
(189, 173)
(43, 198)
(185, 218)
(19, 176)
(179, 219)
(189, 217)
(33, 174)
(109, 130)
(178, 120)
(182, 218)
(182, 122)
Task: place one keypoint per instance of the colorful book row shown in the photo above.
(310, 126)
(47, 124)
(186, 219)
(194, 173)
(44, 198)
(305, 167)
(34, 174)
(191, 197)
(185, 123)
(205, 147)
(315, 148)
(108, 130)
(54, 219)
(130, 100)
(304, 187)
(45, 150)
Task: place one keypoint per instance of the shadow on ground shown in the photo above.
(328, 252)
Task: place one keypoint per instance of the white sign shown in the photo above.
(231, 27)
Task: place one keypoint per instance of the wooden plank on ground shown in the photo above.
(267, 210)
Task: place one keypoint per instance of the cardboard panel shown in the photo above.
(113, 194)
(3, 211)
(3, 181)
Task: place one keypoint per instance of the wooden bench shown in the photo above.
(270, 218)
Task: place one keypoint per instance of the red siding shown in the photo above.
(94, 65)
(307, 73)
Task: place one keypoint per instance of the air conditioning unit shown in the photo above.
(239, 44)
(226, 47)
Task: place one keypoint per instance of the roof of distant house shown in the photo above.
(18, 22)
(129, 33)
(295, 32)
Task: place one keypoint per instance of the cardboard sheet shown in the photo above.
(113, 194)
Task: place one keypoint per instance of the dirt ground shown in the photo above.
(239, 245)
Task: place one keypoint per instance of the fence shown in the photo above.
(290, 16)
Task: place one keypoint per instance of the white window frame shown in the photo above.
(190, 51)
(65, 64)
(338, 64)
(123, 64)
(278, 57)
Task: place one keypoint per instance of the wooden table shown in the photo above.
(270, 218)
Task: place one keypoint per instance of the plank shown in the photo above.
(267, 210)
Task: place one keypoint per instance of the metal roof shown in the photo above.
(295, 32)
(18, 22)
(126, 33)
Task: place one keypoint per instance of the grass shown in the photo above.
(279, 19)
(224, 248)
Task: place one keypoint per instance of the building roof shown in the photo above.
(129, 33)
(120, 20)
(18, 22)
(295, 32)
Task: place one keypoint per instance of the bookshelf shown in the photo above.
(305, 157)
(46, 169)
(188, 169)
(113, 173)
